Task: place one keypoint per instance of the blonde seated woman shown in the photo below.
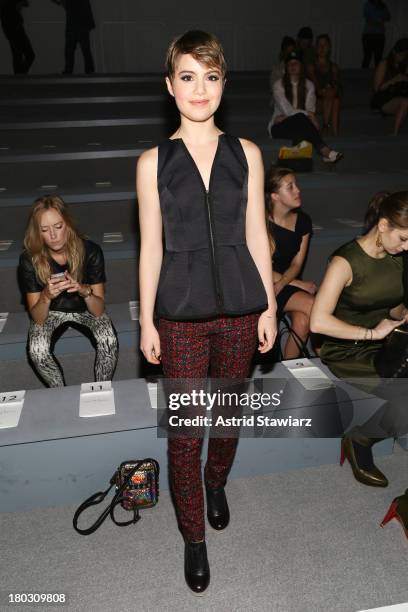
(62, 276)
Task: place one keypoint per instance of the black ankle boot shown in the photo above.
(358, 451)
(217, 508)
(196, 568)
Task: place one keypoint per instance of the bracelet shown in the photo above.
(46, 296)
(89, 292)
(365, 331)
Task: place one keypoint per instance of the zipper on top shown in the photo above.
(217, 285)
(218, 294)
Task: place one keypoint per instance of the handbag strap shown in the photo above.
(136, 515)
(296, 338)
(97, 498)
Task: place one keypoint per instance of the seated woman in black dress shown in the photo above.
(62, 276)
(290, 229)
(391, 84)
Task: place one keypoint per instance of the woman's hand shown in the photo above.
(314, 120)
(385, 327)
(399, 313)
(96, 294)
(55, 286)
(150, 343)
(308, 286)
(278, 286)
(400, 78)
(75, 286)
(267, 329)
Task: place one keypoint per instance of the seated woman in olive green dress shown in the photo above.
(360, 302)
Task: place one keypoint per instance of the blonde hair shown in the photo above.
(204, 47)
(38, 250)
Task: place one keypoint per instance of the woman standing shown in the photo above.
(325, 75)
(290, 229)
(212, 291)
(62, 276)
(294, 110)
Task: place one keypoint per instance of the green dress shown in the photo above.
(375, 289)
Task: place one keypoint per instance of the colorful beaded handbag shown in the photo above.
(137, 487)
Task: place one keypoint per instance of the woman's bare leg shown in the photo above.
(399, 108)
(335, 120)
(328, 100)
(400, 115)
(298, 307)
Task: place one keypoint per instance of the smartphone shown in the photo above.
(58, 276)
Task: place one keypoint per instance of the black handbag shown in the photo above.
(137, 487)
(391, 361)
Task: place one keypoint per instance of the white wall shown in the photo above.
(132, 35)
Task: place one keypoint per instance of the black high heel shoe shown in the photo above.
(360, 457)
(217, 508)
(196, 568)
(398, 510)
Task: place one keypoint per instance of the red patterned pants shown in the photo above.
(222, 347)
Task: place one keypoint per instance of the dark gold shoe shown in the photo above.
(398, 510)
(370, 476)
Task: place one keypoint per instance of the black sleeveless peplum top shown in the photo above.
(207, 269)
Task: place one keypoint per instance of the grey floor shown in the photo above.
(303, 541)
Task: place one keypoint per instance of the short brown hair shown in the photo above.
(204, 47)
